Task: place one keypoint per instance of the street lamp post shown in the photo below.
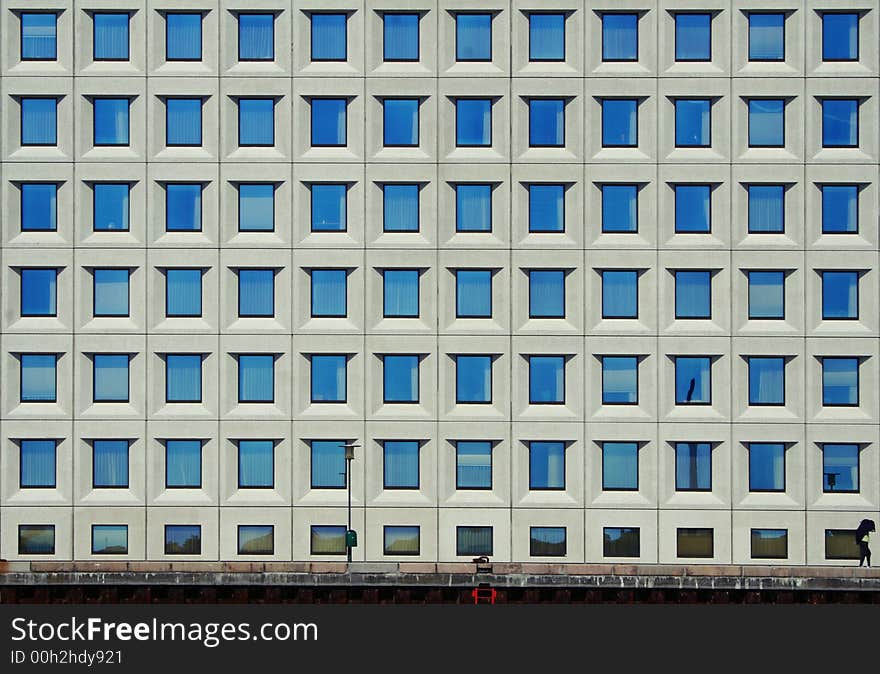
(350, 535)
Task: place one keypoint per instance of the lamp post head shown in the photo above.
(349, 450)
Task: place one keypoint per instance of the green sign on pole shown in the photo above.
(351, 538)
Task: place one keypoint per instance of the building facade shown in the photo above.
(581, 280)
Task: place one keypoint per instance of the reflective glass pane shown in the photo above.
(473, 37)
(329, 207)
(693, 383)
(546, 465)
(693, 209)
(693, 37)
(111, 121)
(329, 290)
(766, 37)
(39, 207)
(693, 466)
(473, 379)
(183, 36)
(766, 294)
(546, 293)
(546, 380)
(256, 464)
(111, 207)
(546, 208)
(620, 211)
(329, 122)
(546, 37)
(473, 122)
(329, 37)
(620, 297)
(693, 295)
(766, 209)
(401, 379)
(401, 37)
(473, 293)
(840, 209)
(766, 380)
(620, 37)
(473, 208)
(401, 122)
(546, 122)
(620, 466)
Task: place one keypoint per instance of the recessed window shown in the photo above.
(329, 207)
(183, 293)
(693, 380)
(38, 377)
(840, 122)
(327, 540)
(546, 208)
(546, 293)
(840, 382)
(766, 122)
(766, 380)
(109, 539)
(840, 36)
(620, 542)
(256, 464)
(766, 295)
(256, 37)
(841, 544)
(256, 293)
(329, 38)
(547, 541)
(693, 125)
(183, 122)
(840, 467)
(620, 122)
(110, 377)
(39, 123)
(693, 294)
(111, 292)
(401, 464)
(39, 207)
(400, 293)
(840, 295)
(547, 465)
(620, 294)
(256, 207)
(110, 36)
(473, 380)
(110, 464)
(766, 466)
(39, 292)
(400, 207)
(111, 207)
(473, 208)
(473, 464)
(329, 122)
(183, 539)
(400, 36)
(328, 464)
(183, 207)
(766, 36)
(473, 293)
(840, 209)
(400, 540)
(620, 380)
(36, 539)
(256, 122)
(256, 378)
(697, 543)
(183, 36)
(546, 380)
(111, 123)
(39, 36)
(471, 541)
(766, 209)
(401, 379)
(256, 539)
(328, 381)
(620, 37)
(620, 209)
(473, 122)
(693, 209)
(546, 122)
(183, 378)
(473, 37)
(693, 37)
(183, 464)
(37, 464)
(400, 122)
(693, 466)
(620, 466)
(546, 37)
(329, 293)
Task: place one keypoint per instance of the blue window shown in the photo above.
(111, 121)
(546, 293)
(329, 122)
(840, 467)
(473, 37)
(473, 464)
(328, 378)
(840, 36)
(401, 122)
(110, 377)
(693, 380)
(766, 209)
(38, 377)
(256, 122)
(471, 541)
(620, 208)
(183, 378)
(620, 380)
(766, 122)
(401, 379)
(36, 539)
(111, 292)
(256, 378)
(840, 295)
(546, 37)
(620, 37)
(840, 122)
(183, 539)
(256, 539)
(183, 292)
(766, 466)
(256, 37)
(766, 380)
(620, 122)
(400, 293)
(39, 124)
(256, 464)
(329, 38)
(473, 122)
(39, 292)
(39, 207)
(183, 207)
(693, 37)
(183, 36)
(329, 207)
(620, 541)
(693, 294)
(546, 208)
(327, 540)
(473, 208)
(256, 207)
(546, 122)
(620, 466)
(183, 464)
(110, 464)
(400, 540)
(840, 382)
(620, 293)
(401, 464)
(840, 209)
(37, 464)
(183, 122)
(38, 36)
(111, 207)
(693, 466)
(546, 380)
(766, 295)
(473, 379)
(110, 36)
(400, 36)
(693, 122)
(400, 207)
(693, 209)
(329, 293)
(328, 464)
(546, 465)
(256, 292)
(473, 293)
(547, 541)
(766, 37)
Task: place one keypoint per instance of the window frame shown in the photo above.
(635, 188)
(707, 144)
(822, 273)
(408, 487)
(561, 186)
(602, 47)
(261, 401)
(94, 185)
(458, 486)
(30, 59)
(858, 140)
(458, 400)
(859, 447)
(458, 532)
(103, 524)
(711, 531)
(127, 484)
(749, 15)
(418, 56)
(606, 542)
(491, 299)
(606, 316)
(201, 272)
(238, 482)
(127, 398)
(708, 187)
(458, 58)
(564, 485)
(458, 143)
(201, 187)
(165, 442)
(675, 298)
(344, 101)
(272, 271)
(21, 116)
(784, 468)
(858, 361)
(858, 37)
(605, 487)
(201, 378)
(708, 403)
(635, 102)
(21, 298)
(340, 444)
(417, 271)
(418, 123)
(385, 400)
(532, 144)
(50, 527)
(312, 399)
(418, 549)
(253, 12)
(533, 553)
(329, 12)
(262, 553)
(23, 208)
(749, 229)
(458, 229)
(532, 58)
(197, 527)
(546, 355)
(676, 59)
(532, 314)
(312, 313)
(749, 273)
(751, 402)
(21, 397)
(704, 490)
(335, 528)
(95, 313)
(782, 141)
(20, 442)
(602, 380)
(201, 16)
(312, 229)
(238, 101)
(95, 37)
(418, 187)
(127, 142)
(858, 188)
(201, 101)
